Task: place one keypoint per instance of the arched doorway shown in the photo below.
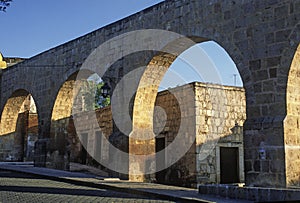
(19, 127)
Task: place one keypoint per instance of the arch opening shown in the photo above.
(291, 124)
(79, 97)
(19, 127)
(196, 99)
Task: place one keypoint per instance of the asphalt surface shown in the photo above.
(17, 187)
(103, 189)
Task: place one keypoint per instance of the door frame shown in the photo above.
(240, 160)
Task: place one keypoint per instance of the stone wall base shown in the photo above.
(40, 152)
(251, 193)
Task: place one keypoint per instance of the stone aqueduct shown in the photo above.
(262, 38)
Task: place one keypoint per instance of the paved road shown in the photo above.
(17, 187)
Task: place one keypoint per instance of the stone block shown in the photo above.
(252, 194)
(280, 11)
(241, 193)
(255, 65)
(203, 189)
(223, 190)
(277, 195)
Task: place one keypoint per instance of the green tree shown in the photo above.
(91, 96)
(100, 101)
(4, 4)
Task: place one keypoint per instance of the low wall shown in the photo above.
(251, 193)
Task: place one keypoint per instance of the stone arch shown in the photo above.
(11, 110)
(145, 98)
(16, 124)
(157, 68)
(66, 94)
(64, 100)
(292, 123)
(62, 129)
(151, 78)
(60, 119)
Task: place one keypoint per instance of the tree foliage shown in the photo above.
(4, 4)
(91, 96)
(100, 101)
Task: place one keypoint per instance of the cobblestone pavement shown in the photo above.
(17, 187)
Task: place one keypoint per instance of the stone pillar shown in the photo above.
(142, 137)
(40, 152)
(292, 150)
(141, 156)
(42, 144)
(291, 124)
(120, 141)
(264, 152)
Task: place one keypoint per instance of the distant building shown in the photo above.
(6, 62)
(2, 63)
(10, 61)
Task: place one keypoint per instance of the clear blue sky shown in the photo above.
(205, 62)
(33, 26)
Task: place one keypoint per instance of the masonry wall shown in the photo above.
(192, 111)
(212, 111)
(12, 144)
(19, 145)
(31, 136)
(7, 146)
(261, 41)
(195, 111)
(168, 118)
(175, 116)
(80, 143)
(292, 127)
(218, 110)
(92, 137)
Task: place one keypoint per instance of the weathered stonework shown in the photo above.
(174, 116)
(291, 125)
(69, 144)
(219, 109)
(256, 194)
(200, 164)
(262, 42)
(81, 144)
(19, 145)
